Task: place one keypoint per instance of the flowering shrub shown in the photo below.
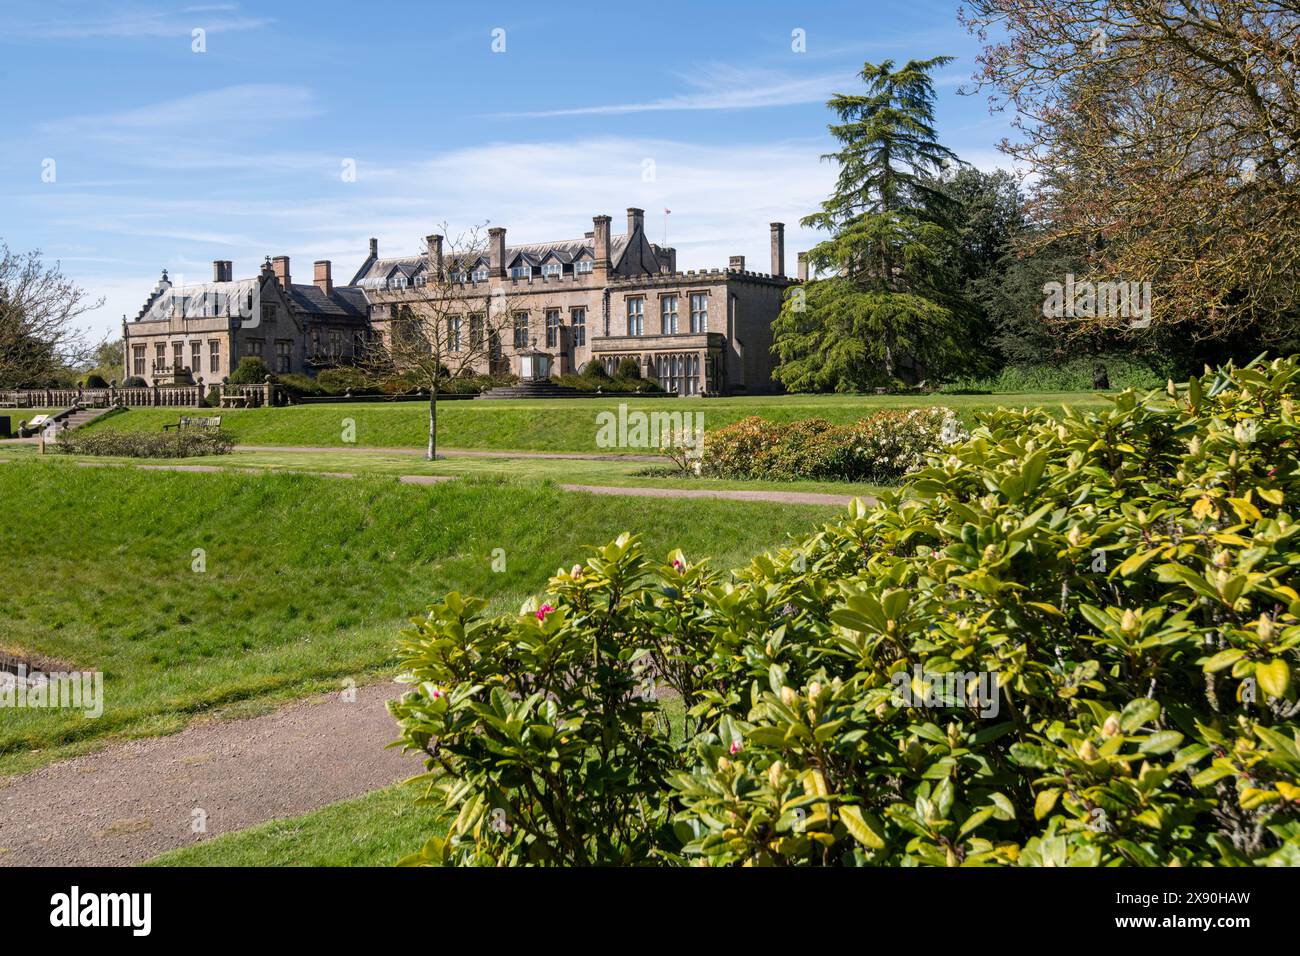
(883, 448)
(1065, 643)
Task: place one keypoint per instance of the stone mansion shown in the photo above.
(601, 298)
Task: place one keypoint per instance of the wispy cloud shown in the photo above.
(720, 87)
(127, 23)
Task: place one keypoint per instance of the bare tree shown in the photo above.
(1165, 139)
(39, 308)
(445, 327)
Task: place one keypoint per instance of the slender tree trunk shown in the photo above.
(432, 452)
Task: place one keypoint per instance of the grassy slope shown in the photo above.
(307, 579)
(568, 425)
(375, 830)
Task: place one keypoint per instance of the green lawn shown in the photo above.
(306, 579)
(375, 830)
(555, 425)
(613, 472)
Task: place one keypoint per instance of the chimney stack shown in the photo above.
(803, 267)
(433, 244)
(736, 264)
(778, 249)
(324, 278)
(374, 248)
(600, 268)
(280, 266)
(635, 220)
(668, 258)
(497, 252)
(221, 270)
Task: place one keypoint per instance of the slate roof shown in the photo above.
(345, 302)
(201, 299)
(376, 273)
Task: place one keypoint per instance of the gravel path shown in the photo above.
(135, 800)
(454, 452)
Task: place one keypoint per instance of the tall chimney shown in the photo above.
(668, 256)
(280, 266)
(736, 264)
(324, 279)
(803, 267)
(635, 220)
(600, 268)
(497, 252)
(778, 248)
(219, 270)
(433, 245)
(374, 248)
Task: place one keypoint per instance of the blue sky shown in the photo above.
(163, 156)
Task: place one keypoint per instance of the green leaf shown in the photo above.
(864, 827)
(1161, 742)
(1274, 677)
(1045, 802)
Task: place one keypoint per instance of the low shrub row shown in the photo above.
(180, 443)
(882, 448)
(1067, 643)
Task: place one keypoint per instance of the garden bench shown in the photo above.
(196, 422)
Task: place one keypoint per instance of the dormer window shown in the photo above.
(419, 280)
(397, 282)
(583, 266)
(521, 272)
(481, 274)
(552, 269)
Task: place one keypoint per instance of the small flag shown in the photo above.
(667, 211)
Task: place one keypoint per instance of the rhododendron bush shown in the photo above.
(1063, 642)
(884, 447)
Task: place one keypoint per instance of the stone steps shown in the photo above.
(534, 390)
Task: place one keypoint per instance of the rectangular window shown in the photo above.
(159, 355)
(268, 312)
(699, 312)
(196, 356)
(214, 355)
(475, 331)
(253, 348)
(137, 360)
(668, 315)
(636, 316)
(336, 343)
(552, 270)
(578, 319)
(552, 328)
(521, 330)
(453, 332)
(521, 272)
(178, 354)
(583, 266)
(284, 355)
(481, 274)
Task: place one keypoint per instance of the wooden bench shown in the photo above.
(196, 422)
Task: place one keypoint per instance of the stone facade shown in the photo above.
(602, 298)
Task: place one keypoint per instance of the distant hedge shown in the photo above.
(180, 443)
